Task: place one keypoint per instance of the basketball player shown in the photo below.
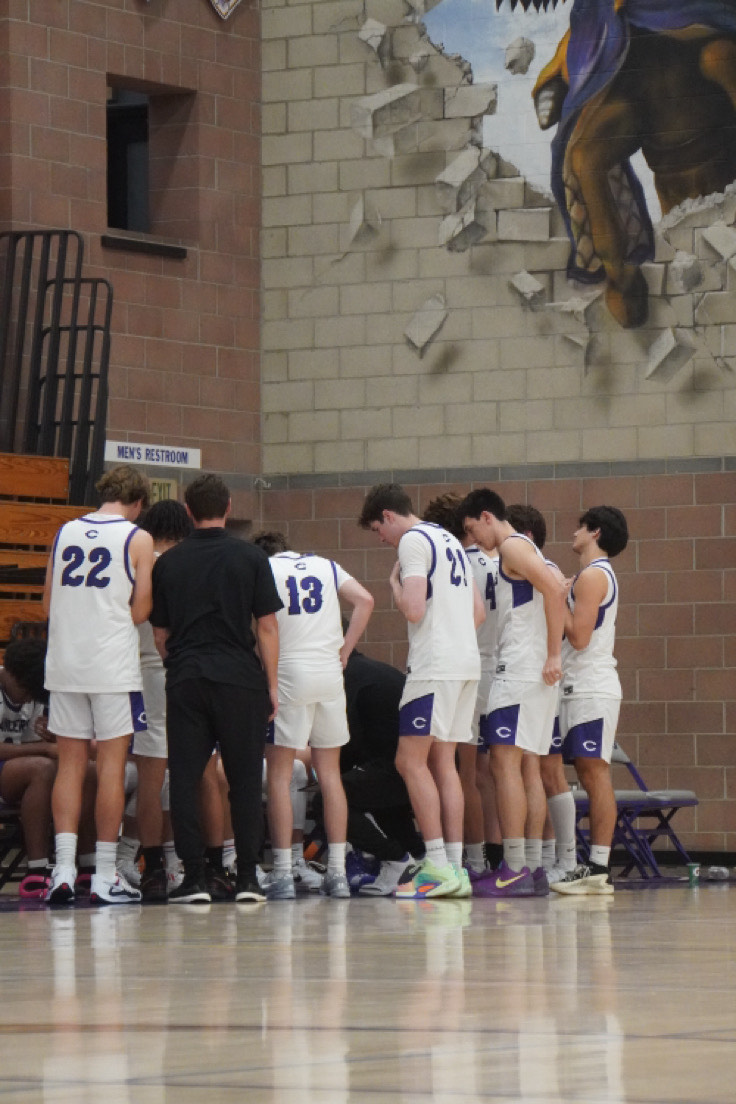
(523, 700)
(591, 690)
(433, 588)
(98, 588)
(312, 711)
(544, 775)
(443, 511)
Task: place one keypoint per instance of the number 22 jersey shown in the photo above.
(93, 643)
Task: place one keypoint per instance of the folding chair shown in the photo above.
(633, 808)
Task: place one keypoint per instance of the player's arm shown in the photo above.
(141, 559)
(519, 556)
(479, 606)
(410, 594)
(267, 634)
(161, 640)
(43, 748)
(362, 602)
(591, 588)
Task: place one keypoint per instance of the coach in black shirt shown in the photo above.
(208, 591)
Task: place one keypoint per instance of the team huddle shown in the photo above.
(210, 657)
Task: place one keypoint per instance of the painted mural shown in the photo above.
(642, 94)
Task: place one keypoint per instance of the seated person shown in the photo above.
(380, 819)
(28, 757)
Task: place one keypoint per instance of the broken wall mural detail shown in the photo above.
(634, 229)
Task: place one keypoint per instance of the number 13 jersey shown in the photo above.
(93, 643)
(310, 629)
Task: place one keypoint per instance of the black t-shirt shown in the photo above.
(206, 590)
(372, 694)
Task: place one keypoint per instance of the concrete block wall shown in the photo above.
(372, 207)
(185, 356)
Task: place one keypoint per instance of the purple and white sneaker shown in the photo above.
(505, 882)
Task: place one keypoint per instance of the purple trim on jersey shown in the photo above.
(522, 590)
(499, 727)
(584, 741)
(555, 747)
(433, 565)
(415, 718)
(271, 733)
(126, 554)
(605, 605)
(333, 565)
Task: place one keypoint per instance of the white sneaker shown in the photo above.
(387, 878)
(117, 892)
(61, 889)
(308, 875)
(130, 872)
(557, 873)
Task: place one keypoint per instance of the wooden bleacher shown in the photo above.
(33, 504)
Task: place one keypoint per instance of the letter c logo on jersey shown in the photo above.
(590, 745)
(142, 718)
(91, 534)
(419, 722)
(556, 741)
(504, 733)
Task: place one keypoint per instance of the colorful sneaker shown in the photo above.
(360, 869)
(541, 884)
(280, 888)
(83, 883)
(466, 889)
(505, 882)
(191, 891)
(308, 875)
(388, 878)
(335, 884)
(61, 888)
(429, 881)
(117, 892)
(35, 883)
(586, 879)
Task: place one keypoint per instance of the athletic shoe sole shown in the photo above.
(596, 885)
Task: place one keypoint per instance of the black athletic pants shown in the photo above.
(200, 715)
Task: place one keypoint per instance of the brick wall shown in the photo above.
(185, 363)
(676, 645)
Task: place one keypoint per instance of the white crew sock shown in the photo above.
(436, 852)
(562, 813)
(336, 858)
(66, 849)
(105, 857)
(514, 854)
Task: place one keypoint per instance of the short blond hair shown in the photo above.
(124, 484)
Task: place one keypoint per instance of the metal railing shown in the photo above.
(54, 353)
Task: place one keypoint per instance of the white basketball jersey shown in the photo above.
(485, 573)
(443, 645)
(93, 643)
(17, 721)
(522, 625)
(310, 627)
(592, 671)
